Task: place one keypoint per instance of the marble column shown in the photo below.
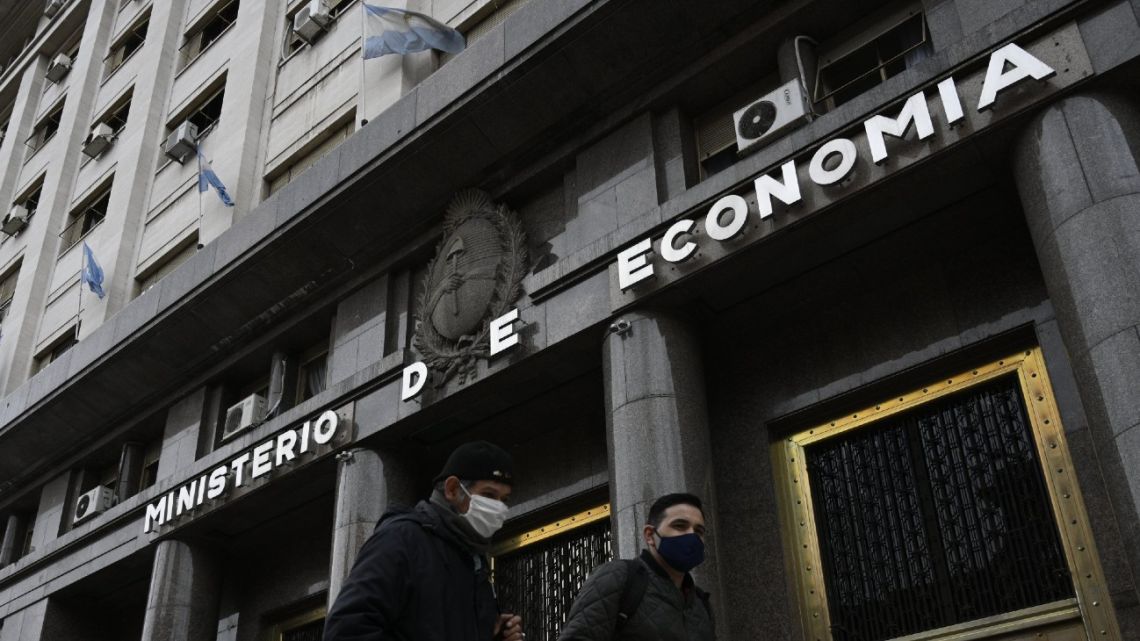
(367, 482)
(184, 588)
(657, 426)
(1077, 168)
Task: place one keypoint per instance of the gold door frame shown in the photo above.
(280, 628)
(804, 562)
(553, 528)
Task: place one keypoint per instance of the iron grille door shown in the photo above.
(539, 581)
(935, 516)
(312, 631)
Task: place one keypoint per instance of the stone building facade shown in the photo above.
(863, 274)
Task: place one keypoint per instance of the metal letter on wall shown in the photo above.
(476, 276)
(949, 512)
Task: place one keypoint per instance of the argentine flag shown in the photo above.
(388, 30)
(207, 178)
(91, 273)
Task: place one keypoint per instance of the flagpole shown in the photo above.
(79, 307)
(361, 115)
(198, 188)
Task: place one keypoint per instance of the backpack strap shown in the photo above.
(636, 582)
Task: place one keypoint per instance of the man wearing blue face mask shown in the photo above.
(652, 598)
(423, 574)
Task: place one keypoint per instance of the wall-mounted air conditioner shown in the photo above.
(94, 502)
(58, 68)
(243, 414)
(15, 221)
(312, 20)
(99, 140)
(53, 6)
(769, 115)
(182, 142)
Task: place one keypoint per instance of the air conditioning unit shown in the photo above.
(99, 140)
(53, 6)
(769, 115)
(94, 502)
(58, 68)
(312, 20)
(244, 414)
(15, 221)
(182, 142)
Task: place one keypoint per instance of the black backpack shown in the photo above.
(636, 582)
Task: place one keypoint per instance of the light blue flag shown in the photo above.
(207, 178)
(92, 273)
(388, 30)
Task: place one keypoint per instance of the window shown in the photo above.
(46, 127)
(938, 509)
(896, 43)
(313, 372)
(174, 258)
(493, 14)
(8, 290)
(116, 116)
(206, 33)
(86, 217)
(25, 547)
(336, 136)
(31, 198)
(150, 464)
(125, 47)
(59, 348)
(715, 129)
(540, 571)
(206, 114)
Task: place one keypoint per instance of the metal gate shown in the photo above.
(538, 573)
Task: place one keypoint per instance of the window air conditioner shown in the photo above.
(53, 6)
(243, 415)
(59, 67)
(182, 142)
(15, 221)
(94, 502)
(100, 139)
(312, 20)
(769, 115)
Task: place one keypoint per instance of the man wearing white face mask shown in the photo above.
(423, 574)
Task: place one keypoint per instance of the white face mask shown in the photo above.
(484, 515)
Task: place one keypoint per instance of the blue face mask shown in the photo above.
(682, 552)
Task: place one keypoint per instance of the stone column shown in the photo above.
(367, 482)
(26, 624)
(184, 588)
(1077, 168)
(657, 426)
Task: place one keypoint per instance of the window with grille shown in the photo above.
(538, 573)
(86, 217)
(937, 513)
(126, 45)
(208, 31)
(894, 43)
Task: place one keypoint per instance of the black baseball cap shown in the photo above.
(479, 461)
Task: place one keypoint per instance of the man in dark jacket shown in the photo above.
(663, 604)
(423, 574)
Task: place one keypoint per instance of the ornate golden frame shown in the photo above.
(1091, 605)
(553, 528)
(277, 632)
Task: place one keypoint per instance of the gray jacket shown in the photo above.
(664, 614)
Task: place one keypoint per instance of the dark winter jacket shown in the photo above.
(664, 614)
(414, 580)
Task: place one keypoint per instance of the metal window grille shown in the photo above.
(935, 516)
(312, 631)
(539, 581)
